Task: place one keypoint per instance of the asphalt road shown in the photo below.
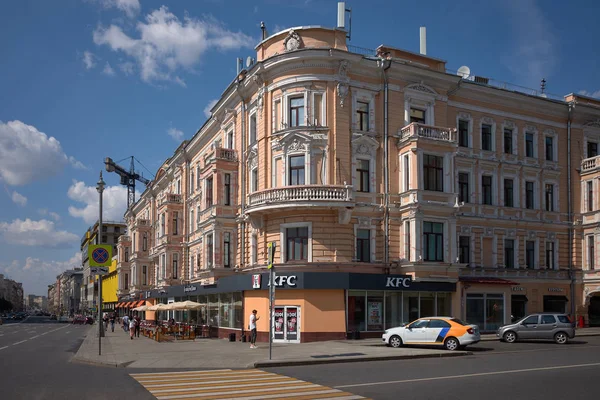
(495, 371)
(35, 364)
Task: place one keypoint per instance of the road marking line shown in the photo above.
(436, 378)
(67, 332)
(22, 341)
(2, 348)
(33, 337)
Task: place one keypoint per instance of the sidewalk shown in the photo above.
(120, 351)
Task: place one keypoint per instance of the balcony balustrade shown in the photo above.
(590, 164)
(142, 222)
(225, 154)
(170, 198)
(124, 238)
(310, 195)
(416, 130)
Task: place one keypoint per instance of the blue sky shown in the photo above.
(85, 79)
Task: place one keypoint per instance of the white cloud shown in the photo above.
(130, 7)
(114, 202)
(209, 107)
(590, 94)
(51, 214)
(167, 44)
(89, 60)
(19, 199)
(108, 70)
(36, 274)
(76, 163)
(175, 134)
(535, 55)
(27, 155)
(40, 233)
(127, 67)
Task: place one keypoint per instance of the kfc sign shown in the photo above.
(256, 281)
(282, 281)
(397, 282)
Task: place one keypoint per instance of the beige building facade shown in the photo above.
(426, 192)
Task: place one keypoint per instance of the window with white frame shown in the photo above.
(175, 223)
(464, 193)
(509, 192)
(549, 196)
(362, 116)
(191, 221)
(198, 181)
(463, 133)
(230, 137)
(254, 180)
(589, 195)
(487, 139)
(126, 281)
(530, 254)
(590, 253)
(530, 195)
(198, 217)
(508, 140)
(487, 193)
(407, 241)
(591, 148)
(192, 182)
(209, 250)
(296, 170)
(175, 272)
(296, 241)
(530, 144)
(319, 111)
(162, 224)
(551, 145)
(550, 255)
(126, 255)
(227, 249)
(209, 191)
(363, 104)
(464, 249)
(419, 104)
(405, 172)
(509, 253)
(433, 241)
(363, 175)
(227, 189)
(296, 110)
(252, 129)
(145, 241)
(433, 172)
(163, 266)
(144, 275)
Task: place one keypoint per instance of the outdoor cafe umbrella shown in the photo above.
(141, 308)
(157, 307)
(184, 305)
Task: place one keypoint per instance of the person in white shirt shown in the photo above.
(131, 328)
(253, 319)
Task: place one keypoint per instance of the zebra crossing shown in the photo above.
(251, 384)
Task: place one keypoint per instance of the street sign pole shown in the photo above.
(271, 254)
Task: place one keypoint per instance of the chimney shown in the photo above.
(341, 15)
(423, 37)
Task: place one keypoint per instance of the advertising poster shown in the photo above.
(292, 323)
(375, 315)
(278, 321)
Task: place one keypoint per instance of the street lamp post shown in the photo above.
(100, 188)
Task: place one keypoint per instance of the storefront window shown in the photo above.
(213, 310)
(410, 307)
(238, 315)
(444, 302)
(476, 310)
(202, 313)
(485, 310)
(557, 304)
(356, 310)
(375, 310)
(393, 309)
(427, 304)
(225, 309)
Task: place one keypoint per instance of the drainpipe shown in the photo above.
(243, 179)
(385, 65)
(570, 211)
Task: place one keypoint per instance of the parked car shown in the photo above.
(539, 326)
(448, 332)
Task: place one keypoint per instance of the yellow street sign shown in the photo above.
(271, 253)
(100, 255)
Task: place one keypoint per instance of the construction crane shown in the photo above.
(128, 178)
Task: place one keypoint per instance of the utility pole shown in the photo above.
(100, 188)
(271, 254)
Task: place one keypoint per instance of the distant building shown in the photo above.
(34, 302)
(12, 291)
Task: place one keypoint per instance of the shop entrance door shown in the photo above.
(594, 311)
(286, 324)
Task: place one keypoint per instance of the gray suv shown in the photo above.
(541, 326)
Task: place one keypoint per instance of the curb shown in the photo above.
(287, 363)
(80, 360)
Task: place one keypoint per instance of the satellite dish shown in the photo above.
(464, 71)
(249, 62)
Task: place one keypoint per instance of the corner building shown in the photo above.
(391, 187)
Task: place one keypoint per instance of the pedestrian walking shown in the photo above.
(125, 323)
(131, 328)
(252, 326)
(138, 322)
(112, 322)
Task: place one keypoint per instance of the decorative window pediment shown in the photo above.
(365, 145)
(294, 142)
(421, 87)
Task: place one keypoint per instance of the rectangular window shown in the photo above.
(254, 247)
(209, 250)
(296, 117)
(227, 193)
(197, 217)
(126, 281)
(104, 229)
(162, 224)
(407, 239)
(134, 243)
(104, 238)
(509, 253)
(590, 195)
(198, 176)
(209, 192)
(318, 110)
(464, 249)
(175, 220)
(163, 265)
(508, 193)
(463, 187)
(252, 129)
(230, 139)
(417, 115)
(486, 137)
(529, 145)
(191, 226)
(508, 141)
(591, 256)
(433, 173)
(362, 115)
(530, 254)
(549, 197)
(296, 170)
(144, 274)
(296, 243)
(550, 255)
(117, 229)
(126, 254)
(254, 181)
(178, 187)
(529, 193)
(175, 265)
(362, 170)
(191, 271)
(406, 173)
(192, 182)
(363, 245)
(277, 123)
(433, 241)
(227, 250)
(592, 149)
(549, 148)
(463, 133)
(486, 187)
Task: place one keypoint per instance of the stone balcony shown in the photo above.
(305, 196)
(589, 165)
(124, 239)
(225, 154)
(170, 198)
(140, 222)
(437, 133)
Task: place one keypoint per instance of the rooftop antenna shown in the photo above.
(263, 28)
(464, 71)
(249, 62)
(238, 65)
(423, 40)
(543, 86)
(341, 18)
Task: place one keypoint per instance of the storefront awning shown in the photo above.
(127, 304)
(138, 303)
(556, 298)
(119, 305)
(487, 280)
(519, 297)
